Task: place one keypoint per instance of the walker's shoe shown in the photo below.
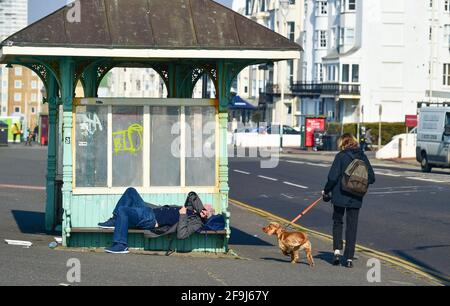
(110, 224)
(117, 248)
(349, 264)
(336, 260)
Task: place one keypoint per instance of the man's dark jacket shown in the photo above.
(341, 162)
(188, 223)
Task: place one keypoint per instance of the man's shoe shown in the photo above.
(336, 260)
(110, 224)
(117, 248)
(349, 264)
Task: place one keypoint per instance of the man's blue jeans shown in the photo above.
(131, 212)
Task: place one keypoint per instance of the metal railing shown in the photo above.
(317, 89)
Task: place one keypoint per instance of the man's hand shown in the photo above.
(183, 210)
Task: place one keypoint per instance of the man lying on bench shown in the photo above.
(132, 212)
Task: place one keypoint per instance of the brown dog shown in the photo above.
(291, 243)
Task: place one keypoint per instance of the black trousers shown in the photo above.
(350, 231)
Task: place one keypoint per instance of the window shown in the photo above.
(319, 72)
(18, 84)
(291, 30)
(248, 7)
(323, 39)
(33, 97)
(290, 69)
(447, 35)
(345, 73)
(341, 36)
(323, 8)
(18, 71)
(446, 5)
(17, 109)
(331, 73)
(355, 73)
(200, 163)
(446, 74)
(33, 110)
(17, 97)
(91, 143)
(351, 5)
(143, 146)
(164, 166)
(33, 84)
(350, 36)
(127, 132)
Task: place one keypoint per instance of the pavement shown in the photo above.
(255, 259)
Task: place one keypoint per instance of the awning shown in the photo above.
(238, 103)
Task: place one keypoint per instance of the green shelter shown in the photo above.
(98, 147)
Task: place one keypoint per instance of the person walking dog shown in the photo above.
(348, 182)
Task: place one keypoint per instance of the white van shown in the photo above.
(433, 138)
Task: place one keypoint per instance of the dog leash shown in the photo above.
(306, 211)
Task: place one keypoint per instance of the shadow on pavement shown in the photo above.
(30, 222)
(239, 237)
(404, 255)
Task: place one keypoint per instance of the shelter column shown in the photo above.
(52, 98)
(67, 70)
(224, 76)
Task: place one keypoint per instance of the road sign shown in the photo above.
(411, 121)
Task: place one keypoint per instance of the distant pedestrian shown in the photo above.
(35, 133)
(348, 181)
(15, 130)
(369, 142)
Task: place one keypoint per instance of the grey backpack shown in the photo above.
(355, 179)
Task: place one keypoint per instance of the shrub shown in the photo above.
(388, 130)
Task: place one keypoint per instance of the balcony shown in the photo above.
(325, 89)
(275, 89)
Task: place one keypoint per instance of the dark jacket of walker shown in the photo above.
(339, 197)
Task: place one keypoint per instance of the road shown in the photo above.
(406, 213)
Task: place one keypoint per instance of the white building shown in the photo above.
(133, 83)
(13, 17)
(143, 83)
(270, 86)
(363, 56)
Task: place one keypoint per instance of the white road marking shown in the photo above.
(7, 186)
(424, 179)
(242, 172)
(295, 162)
(286, 196)
(268, 178)
(387, 174)
(394, 192)
(319, 165)
(295, 185)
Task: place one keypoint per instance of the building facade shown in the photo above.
(372, 60)
(269, 86)
(25, 91)
(21, 90)
(13, 17)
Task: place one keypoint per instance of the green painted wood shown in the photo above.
(52, 95)
(67, 73)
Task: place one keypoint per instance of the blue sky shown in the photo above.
(37, 9)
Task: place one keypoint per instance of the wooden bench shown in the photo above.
(145, 233)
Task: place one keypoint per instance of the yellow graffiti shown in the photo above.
(124, 141)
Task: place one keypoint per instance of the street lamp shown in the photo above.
(284, 10)
(380, 113)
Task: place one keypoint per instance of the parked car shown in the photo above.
(287, 130)
(433, 138)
